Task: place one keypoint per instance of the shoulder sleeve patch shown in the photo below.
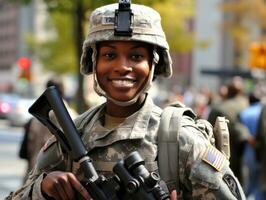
(233, 186)
(214, 157)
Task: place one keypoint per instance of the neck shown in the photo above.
(124, 111)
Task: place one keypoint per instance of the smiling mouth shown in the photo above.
(123, 83)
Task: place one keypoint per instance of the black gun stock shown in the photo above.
(131, 180)
(69, 139)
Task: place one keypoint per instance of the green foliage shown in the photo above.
(58, 53)
(176, 18)
(19, 1)
(244, 20)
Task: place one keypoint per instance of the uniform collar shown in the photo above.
(134, 127)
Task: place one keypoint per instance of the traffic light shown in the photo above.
(24, 64)
(257, 58)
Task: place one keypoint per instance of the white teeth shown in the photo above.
(123, 83)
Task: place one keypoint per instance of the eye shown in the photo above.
(108, 55)
(137, 57)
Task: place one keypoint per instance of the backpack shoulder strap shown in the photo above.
(168, 148)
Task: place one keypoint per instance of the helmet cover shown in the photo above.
(146, 27)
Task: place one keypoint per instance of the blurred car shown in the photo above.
(7, 103)
(19, 115)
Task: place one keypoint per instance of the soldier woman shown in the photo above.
(124, 59)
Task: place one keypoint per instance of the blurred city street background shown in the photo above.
(11, 168)
(211, 43)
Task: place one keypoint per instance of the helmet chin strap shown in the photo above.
(147, 86)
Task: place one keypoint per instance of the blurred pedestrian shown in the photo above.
(36, 134)
(261, 147)
(250, 118)
(230, 107)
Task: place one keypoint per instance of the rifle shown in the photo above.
(131, 179)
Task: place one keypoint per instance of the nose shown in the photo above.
(123, 65)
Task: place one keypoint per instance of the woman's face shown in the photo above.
(123, 68)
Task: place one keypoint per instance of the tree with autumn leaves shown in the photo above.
(244, 22)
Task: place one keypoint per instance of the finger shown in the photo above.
(53, 194)
(84, 192)
(61, 192)
(67, 187)
(49, 189)
(173, 195)
(79, 187)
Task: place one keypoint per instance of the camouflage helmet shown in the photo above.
(146, 27)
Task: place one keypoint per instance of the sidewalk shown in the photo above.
(11, 167)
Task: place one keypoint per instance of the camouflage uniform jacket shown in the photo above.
(198, 179)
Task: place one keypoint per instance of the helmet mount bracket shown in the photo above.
(123, 19)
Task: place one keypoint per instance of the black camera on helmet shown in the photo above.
(123, 19)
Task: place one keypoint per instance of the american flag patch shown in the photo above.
(214, 157)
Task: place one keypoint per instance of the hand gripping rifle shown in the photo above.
(131, 179)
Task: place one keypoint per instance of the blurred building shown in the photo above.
(15, 23)
(18, 22)
(217, 59)
(207, 20)
(9, 39)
